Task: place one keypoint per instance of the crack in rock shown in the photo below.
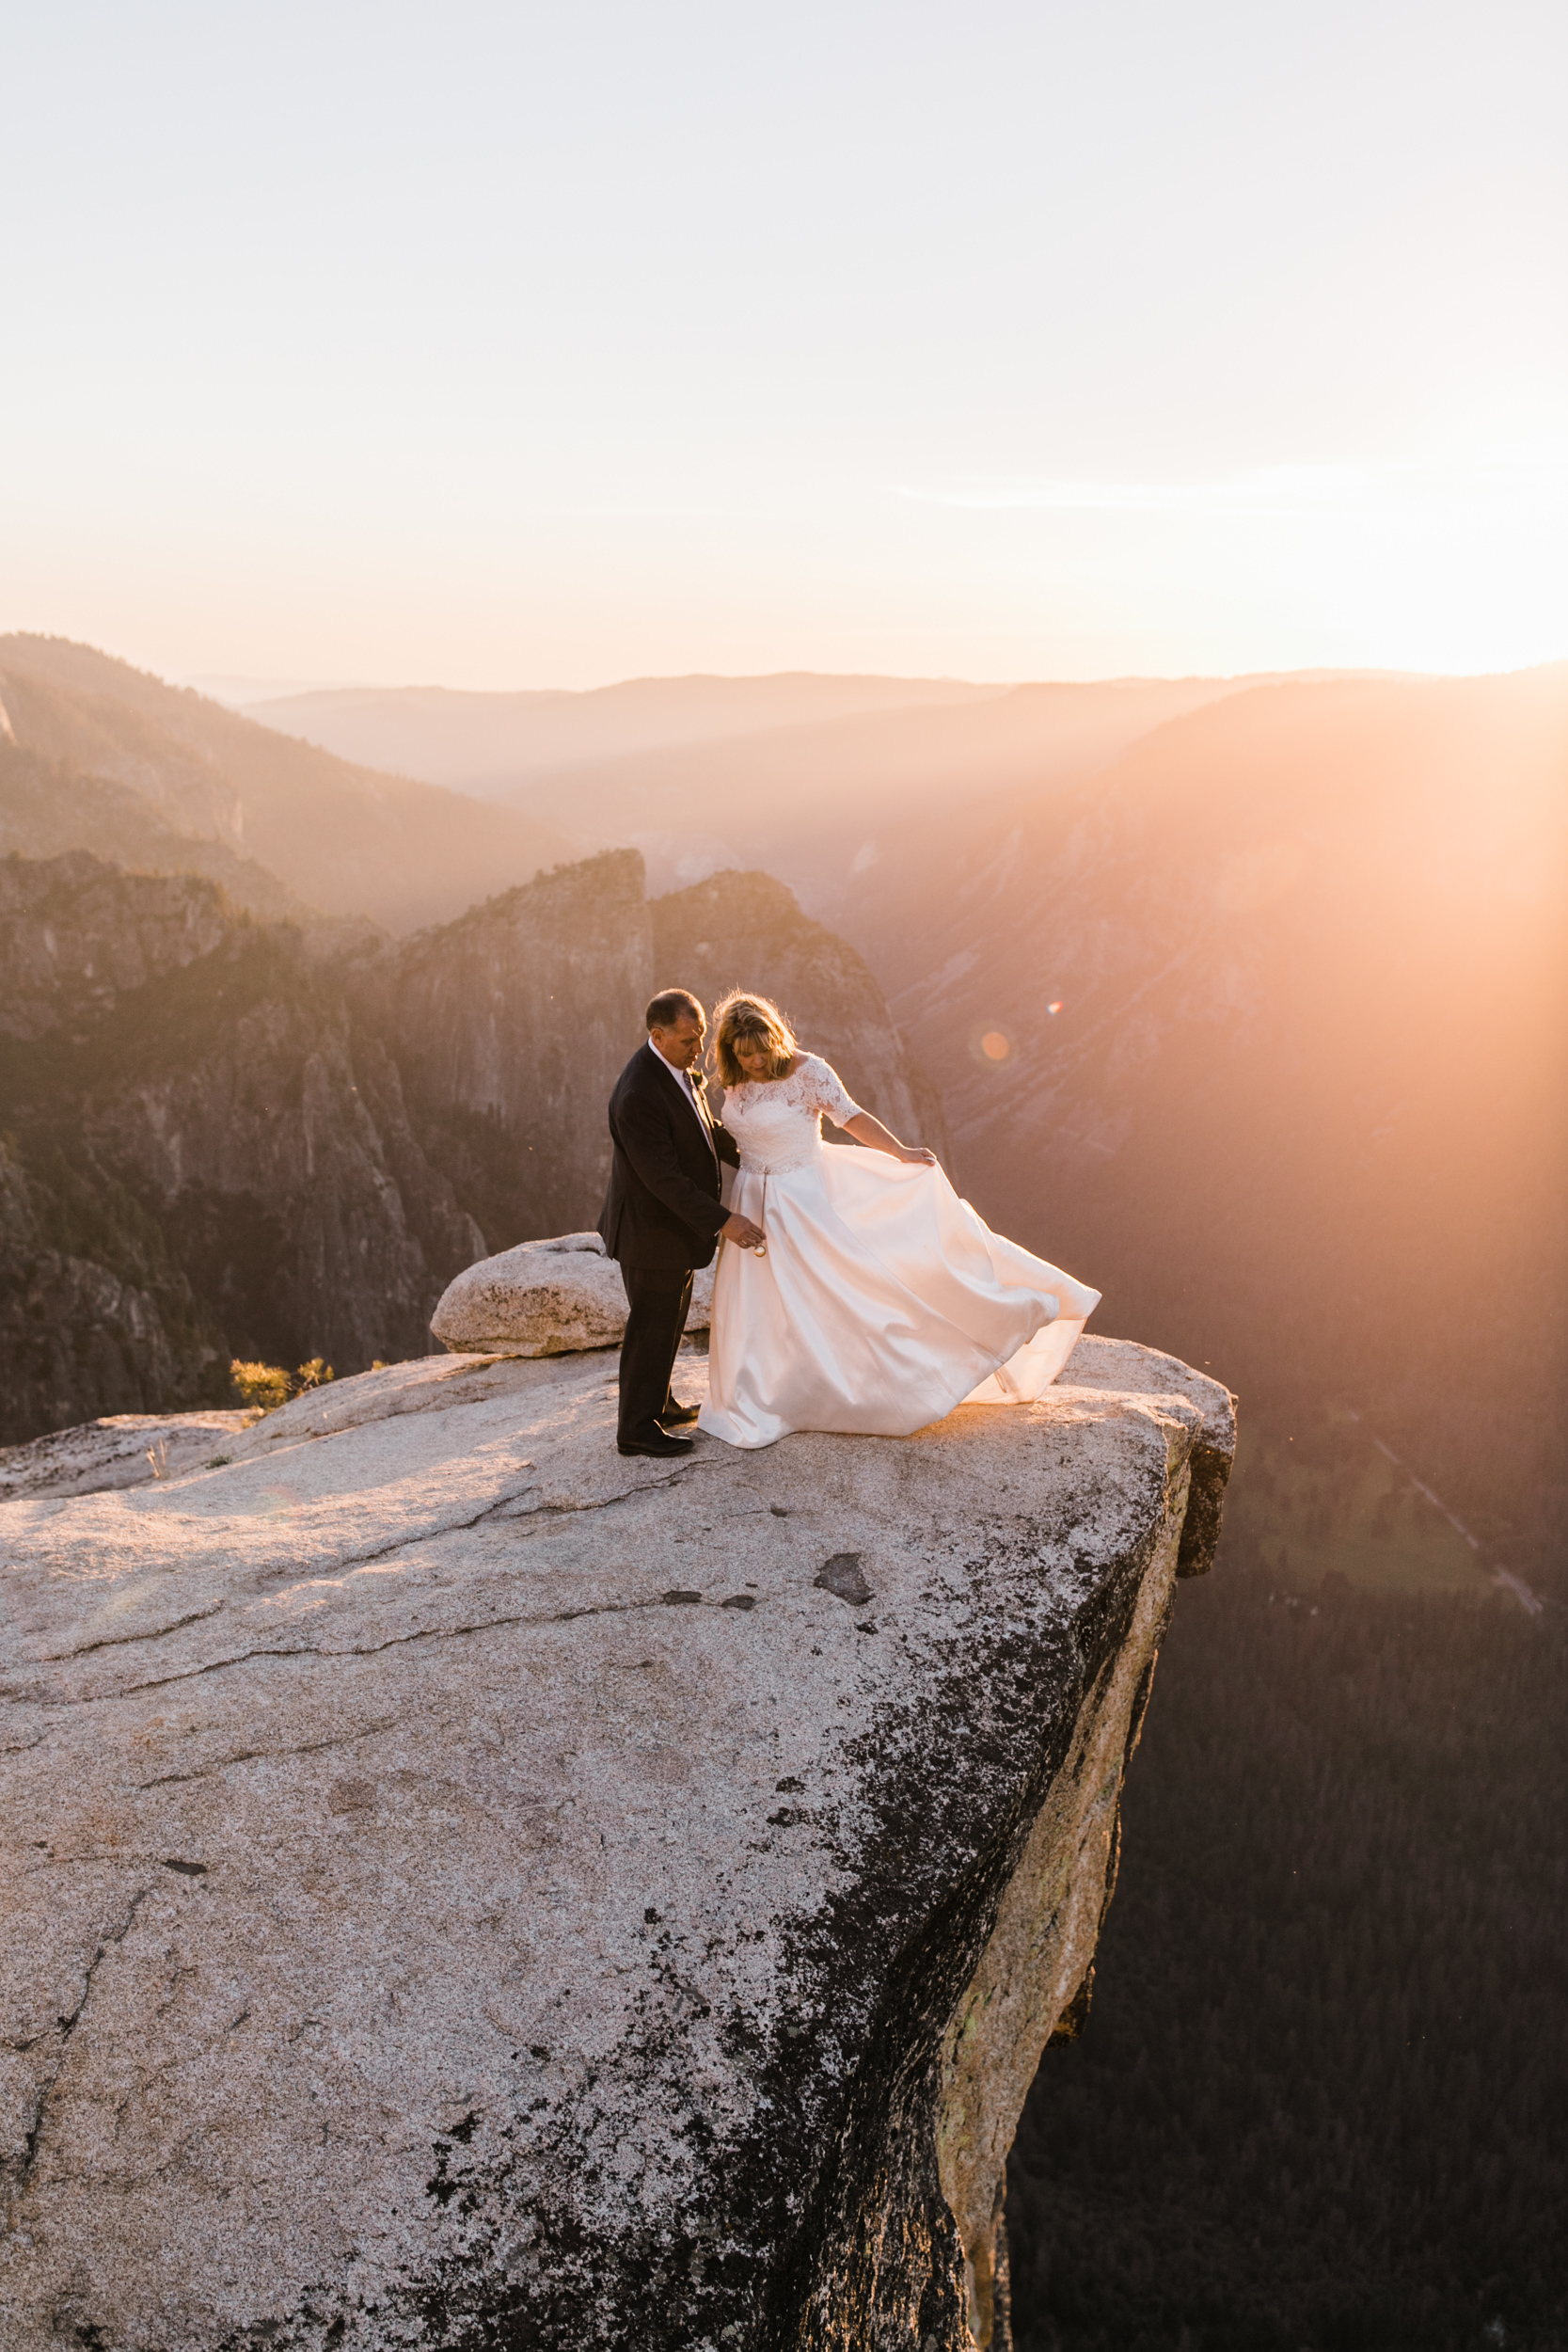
(118, 1641)
(447, 1527)
(250, 1756)
(373, 1649)
(67, 2027)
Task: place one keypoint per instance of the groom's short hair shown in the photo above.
(669, 1005)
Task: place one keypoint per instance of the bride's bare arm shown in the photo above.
(869, 1130)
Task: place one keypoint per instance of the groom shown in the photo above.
(662, 1216)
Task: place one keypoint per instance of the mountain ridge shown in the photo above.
(459, 736)
(466, 734)
(344, 839)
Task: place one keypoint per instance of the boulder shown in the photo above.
(467, 1889)
(546, 1299)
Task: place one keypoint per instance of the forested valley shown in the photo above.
(1317, 2104)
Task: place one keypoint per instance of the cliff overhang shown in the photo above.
(467, 1888)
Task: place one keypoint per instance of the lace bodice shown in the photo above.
(777, 1122)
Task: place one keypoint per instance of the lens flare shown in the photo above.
(1054, 1007)
(996, 1045)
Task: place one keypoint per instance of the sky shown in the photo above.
(516, 345)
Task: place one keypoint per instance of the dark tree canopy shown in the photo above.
(1320, 2102)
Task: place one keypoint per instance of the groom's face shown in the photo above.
(683, 1041)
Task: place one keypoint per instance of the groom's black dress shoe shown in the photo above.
(673, 1412)
(663, 1448)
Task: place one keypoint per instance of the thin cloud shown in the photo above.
(1270, 491)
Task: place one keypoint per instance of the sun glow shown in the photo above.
(1449, 560)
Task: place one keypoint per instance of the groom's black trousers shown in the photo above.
(657, 1298)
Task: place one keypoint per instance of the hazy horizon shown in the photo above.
(250, 695)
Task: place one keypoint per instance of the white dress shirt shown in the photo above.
(683, 1080)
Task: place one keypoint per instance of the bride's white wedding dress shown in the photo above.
(883, 1300)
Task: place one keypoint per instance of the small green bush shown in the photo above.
(265, 1387)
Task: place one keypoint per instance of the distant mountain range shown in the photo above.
(799, 773)
(495, 742)
(95, 754)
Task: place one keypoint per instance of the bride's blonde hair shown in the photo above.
(739, 1018)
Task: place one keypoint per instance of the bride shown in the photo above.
(879, 1299)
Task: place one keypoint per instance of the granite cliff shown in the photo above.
(468, 1889)
(222, 1136)
(204, 1158)
(509, 1026)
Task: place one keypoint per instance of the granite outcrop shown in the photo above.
(470, 1889)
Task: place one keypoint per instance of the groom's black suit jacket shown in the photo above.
(662, 1209)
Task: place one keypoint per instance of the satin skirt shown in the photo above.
(882, 1302)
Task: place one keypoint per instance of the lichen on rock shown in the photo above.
(470, 1889)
